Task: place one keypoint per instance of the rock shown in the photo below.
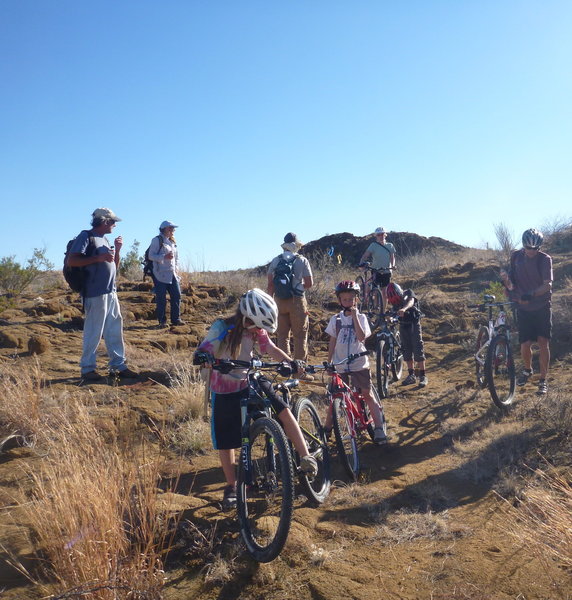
(39, 344)
(8, 340)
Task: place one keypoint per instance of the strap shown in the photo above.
(382, 245)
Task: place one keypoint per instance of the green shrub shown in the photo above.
(15, 279)
(130, 265)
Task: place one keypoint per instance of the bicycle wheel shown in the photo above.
(361, 282)
(265, 503)
(316, 488)
(397, 363)
(382, 368)
(482, 339)
(346, 443)
(374, 307)
(499, 371)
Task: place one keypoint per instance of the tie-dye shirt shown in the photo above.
(227, 383)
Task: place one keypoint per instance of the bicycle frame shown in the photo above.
(494, 327)
(353, 400)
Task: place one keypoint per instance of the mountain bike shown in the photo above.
(371, 299)
(388, 353)
(350, 413)
(267, 464)
(494, 362)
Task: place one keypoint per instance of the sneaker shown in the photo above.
(542, 387)
(379, 436)
(162, 325)
(410, 379)
(91, 376)
(309, 465)
(423, 381)
(229, 498)
(524, 377)
(305, 377)
(179, 322)
(127, 374)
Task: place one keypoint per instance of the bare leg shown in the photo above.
(228, 466)
(526, 354)
(293, 432)
(374, 408)
(544, 356)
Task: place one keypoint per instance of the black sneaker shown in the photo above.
(178, 322)
(229, 498)
(524, 377)
(91, 376)
(127, 374)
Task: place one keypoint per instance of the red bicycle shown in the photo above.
(350, 413)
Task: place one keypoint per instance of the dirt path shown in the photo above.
(424, 521)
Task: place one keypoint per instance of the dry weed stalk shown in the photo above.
(95, 514)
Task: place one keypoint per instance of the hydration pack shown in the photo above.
(147, 262)
(75, 276)
(284, 278)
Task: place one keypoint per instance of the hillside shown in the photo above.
(428, 518)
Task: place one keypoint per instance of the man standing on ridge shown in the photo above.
(92, 251)
(289, 276)
(530, 285)
(382, 256)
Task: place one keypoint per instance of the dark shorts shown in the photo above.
(533, 324)
(359, 379)
(383, 279)
(412, 341)
(225, 423)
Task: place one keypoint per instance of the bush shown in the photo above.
(130, 265)
(15, 279)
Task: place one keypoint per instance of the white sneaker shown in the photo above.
(423, 381)
(309, 465)
(379, 436)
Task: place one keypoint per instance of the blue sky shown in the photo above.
(242, 120)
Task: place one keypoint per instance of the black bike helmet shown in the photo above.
(347, 286)
(532, 238)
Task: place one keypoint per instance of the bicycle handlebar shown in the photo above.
(331, 366)
(489, 305)
(367, 265)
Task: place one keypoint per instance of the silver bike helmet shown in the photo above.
(532, 238)
(260, 308)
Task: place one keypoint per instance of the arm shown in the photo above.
(409, 304)
(270, 285)
(308, 282)
(331, 347)
(118, 244)
(366, 256)
(155, 250)
(361, 335)
(276, 353)
(76, 259)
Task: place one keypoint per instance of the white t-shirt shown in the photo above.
(347, 342)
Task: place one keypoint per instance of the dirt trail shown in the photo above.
(424, 521)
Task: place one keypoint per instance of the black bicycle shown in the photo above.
(370, 294)
(267, 464)
(388, 353)
(494, 363)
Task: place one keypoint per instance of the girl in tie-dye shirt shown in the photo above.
(238, 337)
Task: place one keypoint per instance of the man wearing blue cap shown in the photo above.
(163, 252)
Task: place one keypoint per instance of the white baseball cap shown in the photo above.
(379, 230)
(167, 224)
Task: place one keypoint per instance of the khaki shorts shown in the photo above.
(359, 379)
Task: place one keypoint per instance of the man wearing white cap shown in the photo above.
(163, 252)
(382, 256)
(92, 251)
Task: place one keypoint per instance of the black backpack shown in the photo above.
(147, 262)
(284, 278)
(75, 276)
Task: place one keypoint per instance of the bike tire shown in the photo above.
(315, 488)
(346, 442)
(361, 282)
(499, 371)
(381, 368)
(482, 339)
(397, 363)
(265, 504)
(374, 307)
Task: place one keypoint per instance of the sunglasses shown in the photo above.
(532, 247)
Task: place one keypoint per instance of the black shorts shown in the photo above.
(533, 324)
(383, 279)
(412, 341)
(225, 423)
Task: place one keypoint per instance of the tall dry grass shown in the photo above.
(94, 510)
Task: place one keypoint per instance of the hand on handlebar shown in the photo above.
(202, 358)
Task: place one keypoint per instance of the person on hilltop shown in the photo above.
(92, 251)
(406, 305)
(348, 331)
(381, 254)
(529, 282)
(165, 256)
(237, 337)
(289, 276)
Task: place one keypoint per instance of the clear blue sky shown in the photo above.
(241, 120)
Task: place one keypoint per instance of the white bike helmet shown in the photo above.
(260, 308)
(532, 238)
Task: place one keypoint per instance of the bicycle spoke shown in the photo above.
(499, 369)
